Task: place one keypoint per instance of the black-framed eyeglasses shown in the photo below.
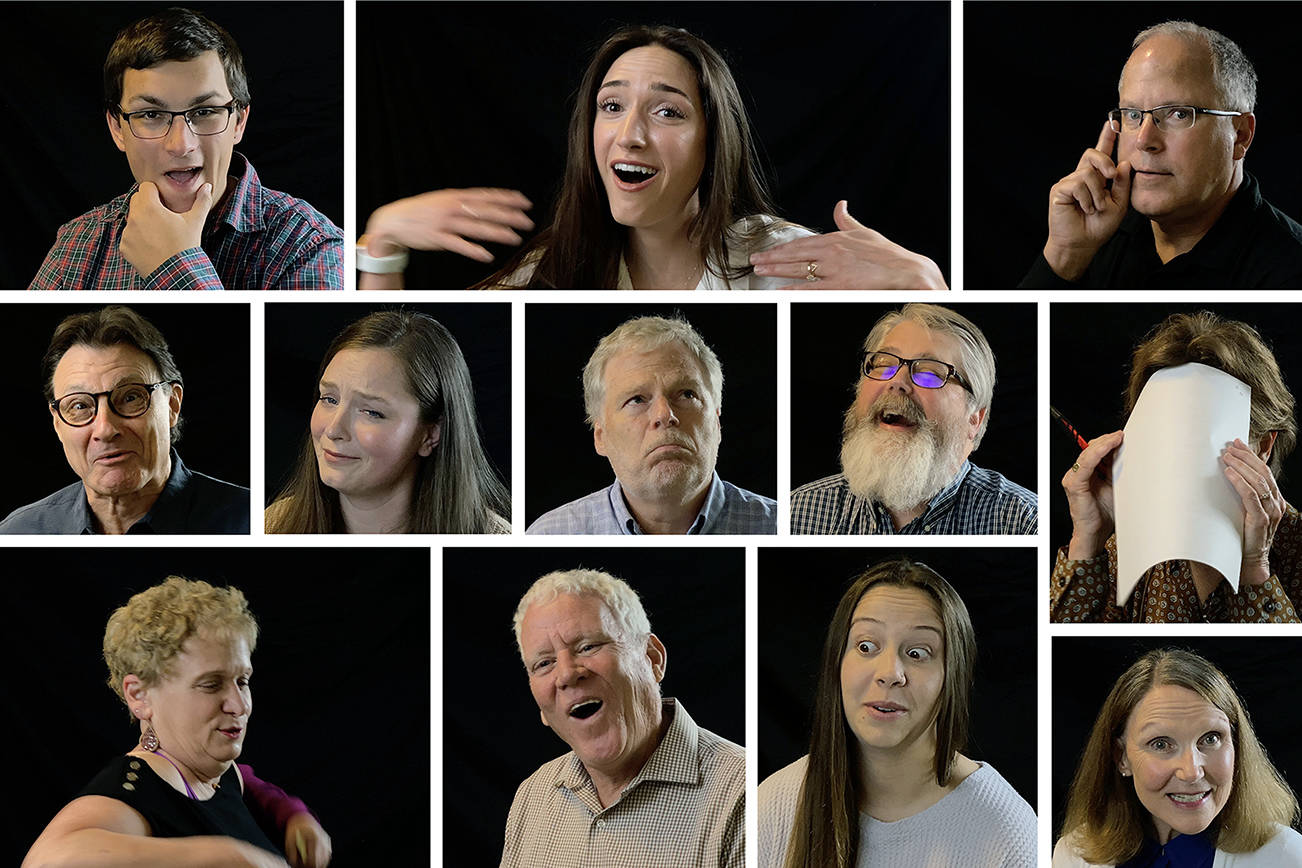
(1166, 117)
(204, 120)
(925, 373)
(127, 400)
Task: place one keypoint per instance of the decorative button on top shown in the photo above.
(135, 764)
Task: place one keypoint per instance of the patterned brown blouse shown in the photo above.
(1086, 590)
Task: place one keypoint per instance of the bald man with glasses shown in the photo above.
(1162, 200)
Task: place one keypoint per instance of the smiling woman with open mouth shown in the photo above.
(1173, 777)
(884, 783)
(662, 190)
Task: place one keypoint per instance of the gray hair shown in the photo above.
(976, 362)
(620, 599)
(1232, 74)
(644, 334)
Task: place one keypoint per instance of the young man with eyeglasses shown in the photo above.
(177, 103)
(115, 392)
(1176, 209)
(921, 407)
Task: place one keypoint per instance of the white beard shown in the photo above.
(901, 470)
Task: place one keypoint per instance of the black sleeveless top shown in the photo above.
(171, 814)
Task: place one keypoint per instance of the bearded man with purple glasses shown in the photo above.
(920, 409)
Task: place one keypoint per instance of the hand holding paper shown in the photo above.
(1263, 507)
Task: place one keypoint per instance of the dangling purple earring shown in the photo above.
(149, 740)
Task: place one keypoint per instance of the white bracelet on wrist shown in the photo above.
(391, 264)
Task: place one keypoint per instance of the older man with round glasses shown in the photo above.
(115, 400)
(1175, 209)
(921, 407)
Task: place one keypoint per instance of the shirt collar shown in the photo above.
(710, 509)
(156, 519)
(938, 506)
(242, 210)
(1223, 243)
(675, 759)
(1182, 851)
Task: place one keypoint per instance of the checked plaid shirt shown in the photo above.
(684, 809)
(977, 501)
(258, 239)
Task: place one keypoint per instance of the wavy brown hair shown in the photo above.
(582, 247)
(457, 489)
(1230, 346)
(825, 833)
(1105, 818)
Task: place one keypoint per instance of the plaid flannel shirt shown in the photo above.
(259, 239)
(977, 501)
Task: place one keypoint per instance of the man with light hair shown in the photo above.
(1176, 210)
(653, 391)
(642, 783)
(921, 407)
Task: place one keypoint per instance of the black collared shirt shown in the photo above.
(1253, 245)
(190, 503)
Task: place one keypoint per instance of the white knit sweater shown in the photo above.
(982, 823)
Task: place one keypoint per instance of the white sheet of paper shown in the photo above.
(1172, 499)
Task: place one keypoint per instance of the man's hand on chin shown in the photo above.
(154, 234)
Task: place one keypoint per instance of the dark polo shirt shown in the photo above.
(1253, 245)
(190, 503)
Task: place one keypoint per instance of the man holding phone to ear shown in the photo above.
(1162, 200)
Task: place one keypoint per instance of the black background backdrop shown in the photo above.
(1091, 348)
(492, 737)
(847, 101)
(1039, 79)
(826, 340)
(559, 339)
(211, 347)
(59, 160)
(1084, 670)
(297, 335)
(340, 686)
(798, 592)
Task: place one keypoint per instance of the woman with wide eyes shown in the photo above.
(393, 444)
(662, 190)
(884, 783)
(1173, 777)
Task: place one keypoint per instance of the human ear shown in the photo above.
(543, 718)
(1123, 761)
(1245, 127)
(1266, 445)
(431, 440)
(174, 403)
(115, 129)
(137, 695)
(974, 422)
(242, 116)
(598, 438)
(657, 655)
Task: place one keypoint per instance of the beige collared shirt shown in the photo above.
(686, 807)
